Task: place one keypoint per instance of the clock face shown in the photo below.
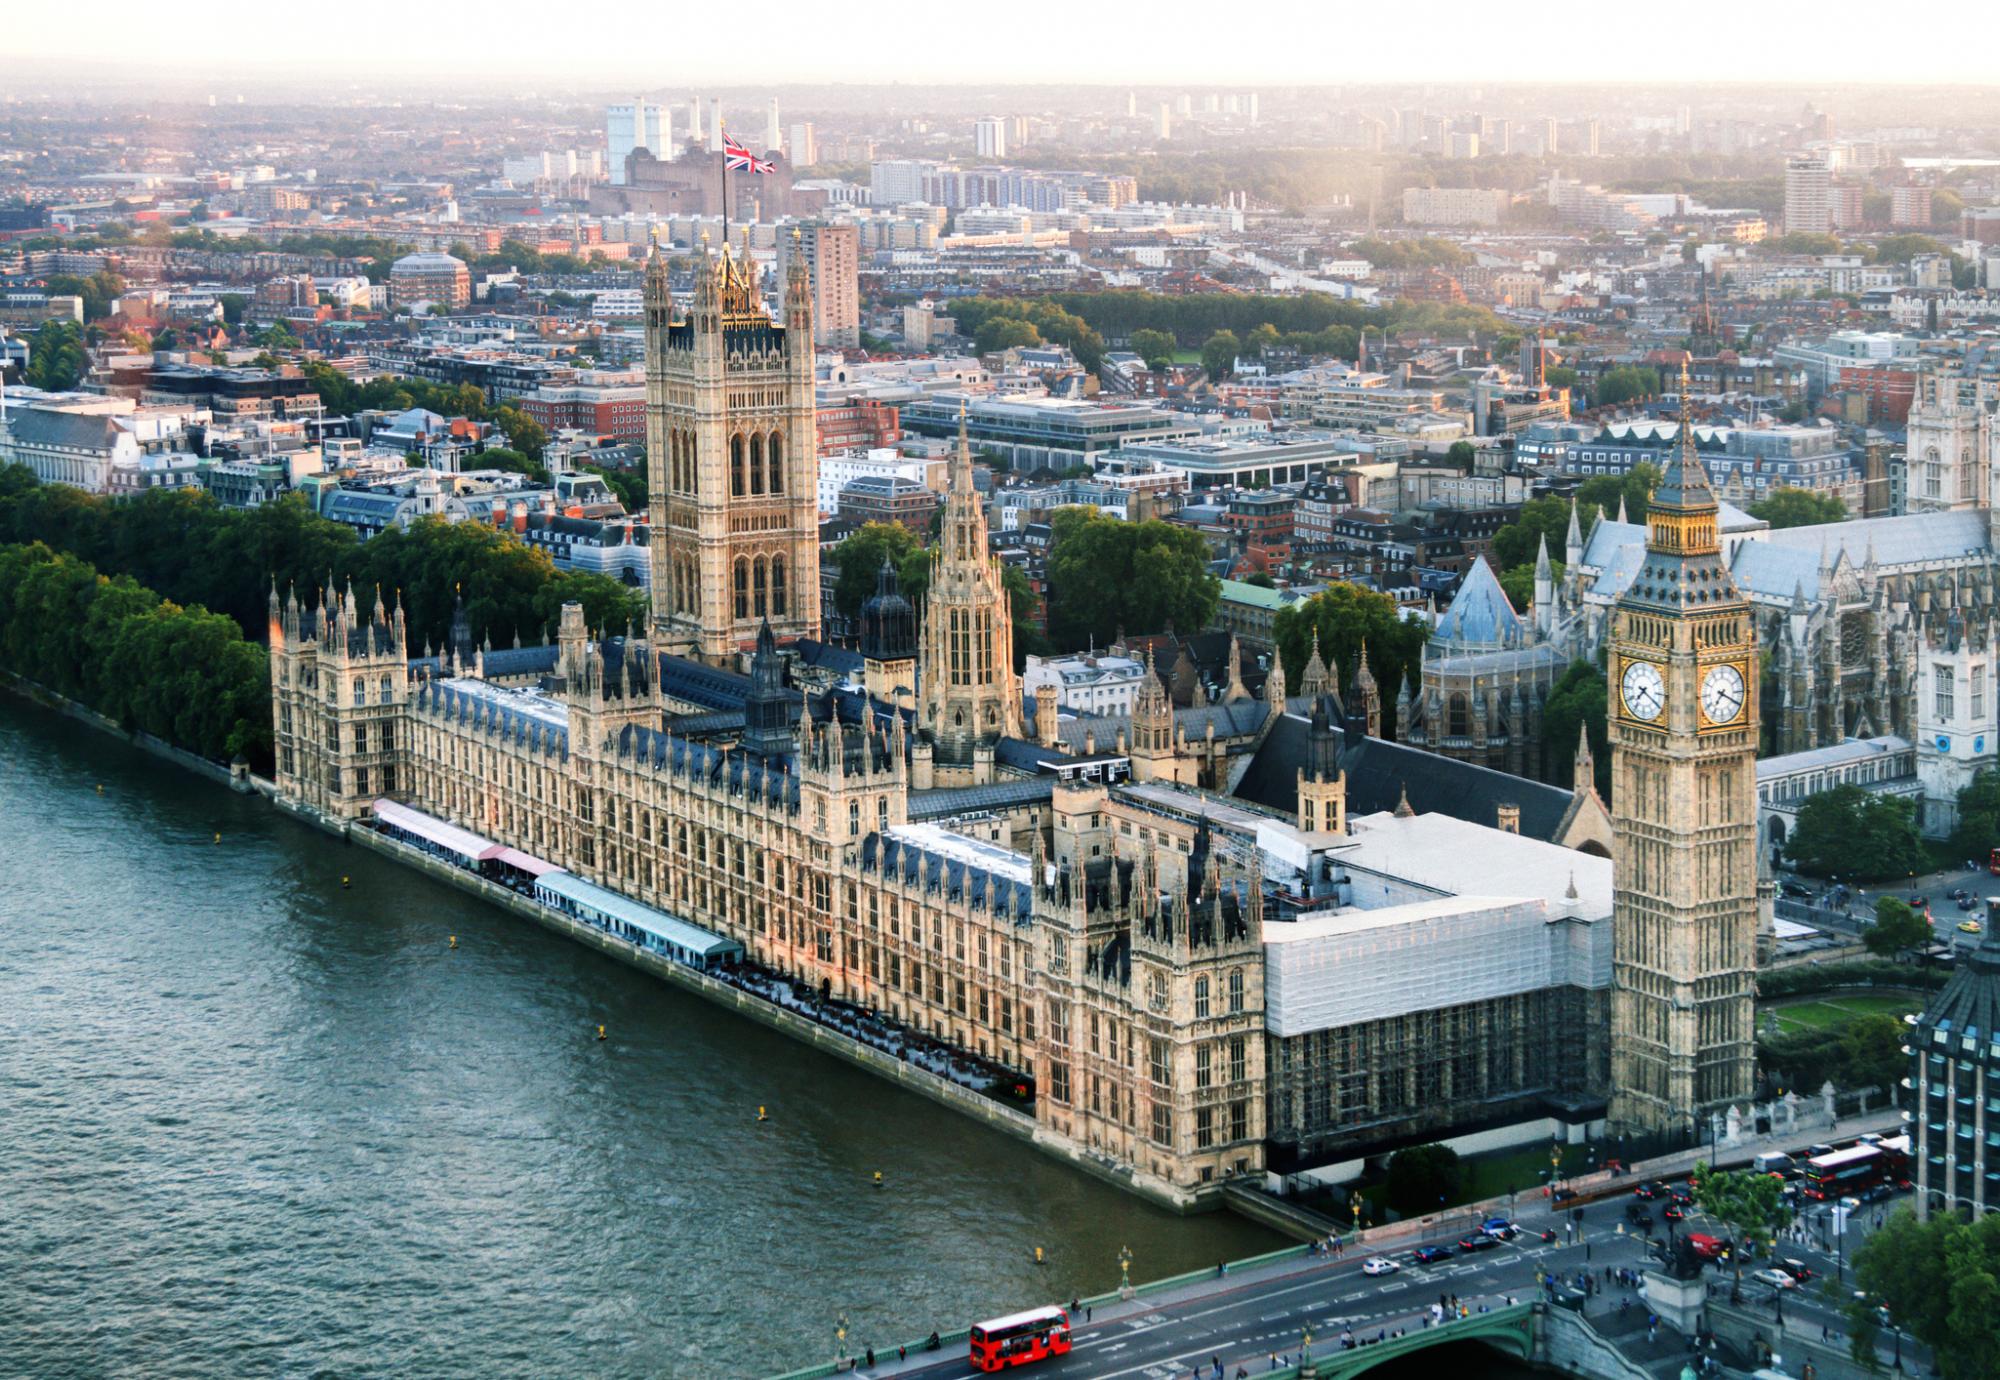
(1722, 694)
(1644, 691)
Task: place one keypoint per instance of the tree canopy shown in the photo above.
(57, 359)
(1635, 486)
(1218, 354)
(1577, 701)
(1750, 1202)
(860, 561)
(1155, 347)
(1345, 616)
(1940, 1280)
(1786, 506)
(1105, 575)
(1978, 830)
(1422, 1178)
(184, 675)
(1897, 928)
(1624, 384)
(1851, 833)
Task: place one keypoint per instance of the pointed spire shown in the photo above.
(1543, 571)
(1403, 810)
(1621, 507)
(1573, 539)
(1315, 681)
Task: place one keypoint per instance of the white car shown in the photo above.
(1776, 1278)
(1379, 1265)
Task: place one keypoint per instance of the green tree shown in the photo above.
(1577, 703)
(1787, 506)
(1977, 833)
(233, 304)
(1849, 832)
(1748, 1201)
(1346, 617)
(1423, 1178)
(1897, 928)
(1518, 584)
(1155, 347)
(524, 433)
(1023, 606)
(1005, 333)
(1624, 384)
(1462, 454)
(1218, 356)
(57, 360)
(1940, 1281)
(508, 459)
(860, 561)
(1520, 540)
(1562, 376)
(1872, 1049)
(1900, 249)
(1635, 486)
(1104, 575)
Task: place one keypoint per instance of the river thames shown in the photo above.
(253, 1123)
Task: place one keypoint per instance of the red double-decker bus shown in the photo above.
(1857, 1169)
(1019, 1338)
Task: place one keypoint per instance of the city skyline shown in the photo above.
(1571, 39)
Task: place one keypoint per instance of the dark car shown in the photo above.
(1638, 1214)
(1477, 1242)
(1674, 1212)
(1430, 1255)
(1680, 1197)
(1797, 889)
(1646, 1191)
(1797, 1269)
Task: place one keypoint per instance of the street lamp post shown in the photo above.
(1125, 1272)
(840, 1341)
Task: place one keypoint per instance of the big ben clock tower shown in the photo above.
(1683, 729)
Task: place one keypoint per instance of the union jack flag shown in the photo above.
(736, 158)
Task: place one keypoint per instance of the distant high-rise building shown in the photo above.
(1910, 207)
(833, 264)
(1590, 137)
(1844, 205)
(697, 130)
(805, 145)
(1166, 121)
(989, 136)
(639, 125)
(1251, 101)
(715, 127)
(1808, 195)
(1184, 105)
(1551, 144)
(1131, 104)
(774, 133)
(1464, 145)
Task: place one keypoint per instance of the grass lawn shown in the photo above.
(1834, 1012)
(1187, 356)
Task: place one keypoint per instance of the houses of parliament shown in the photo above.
(1250, 939)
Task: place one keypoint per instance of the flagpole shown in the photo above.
(722, 131)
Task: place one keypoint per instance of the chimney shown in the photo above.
(499, 512)
(520, 517)
(1510, 819)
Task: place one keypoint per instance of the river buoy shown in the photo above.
(100, 788)
(218, 838)
(600, 1029)
(761, 1116)
(878, 1178)
(1038, 1256)
(343, 883)
(454, 944)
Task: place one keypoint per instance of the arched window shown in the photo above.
(1458, 723)
(1235, 990)
(742, 588)
(778, 586)
(757, 464)
(736, 466)
(760, 575)
(775, 453)
(1201, 998)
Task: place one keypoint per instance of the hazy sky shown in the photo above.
(1317, 42)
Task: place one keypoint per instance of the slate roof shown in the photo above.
(1970, 1002)
(1912, 537)
(1480, 614)
(1380, 771)
(44, 426)
(998, 795)
(953, 877)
